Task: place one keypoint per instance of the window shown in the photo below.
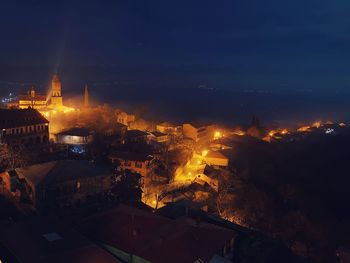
(138, 164)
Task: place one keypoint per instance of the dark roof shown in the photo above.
(130, 156)
(45, 240)
(136, 133)
(156, 238)
(59, 171)
(82, 132)
(12, 118)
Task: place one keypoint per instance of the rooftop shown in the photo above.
(130, 156)
(136, 133)
(45, 240)
(81, 132)
(12, 118)
(59, 171)
(154, 237)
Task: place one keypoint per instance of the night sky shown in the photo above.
(296, 52)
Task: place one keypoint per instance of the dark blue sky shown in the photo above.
(279, 46)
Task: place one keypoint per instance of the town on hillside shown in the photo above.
(120, 188)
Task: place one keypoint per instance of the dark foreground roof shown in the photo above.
(60, 171)
(12, 118)
(156, 238)
(81, 132)
(44, 240)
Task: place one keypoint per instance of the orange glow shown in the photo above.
(284, 131)
(217, 135)
(317, 124)
(304, 129)
(239, 132)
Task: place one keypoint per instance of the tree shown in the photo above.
(127, 185)
(12, 157)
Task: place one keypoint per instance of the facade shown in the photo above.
(137, 136)
(45, 240)
(32, 100)
(75, 136)
(136, 162)
(169, 128)
(65, 182)
(56, 92)
(135, 235)
(26, 127)
(125, 118)
(196, 131)
(216, 159)
(159, 137)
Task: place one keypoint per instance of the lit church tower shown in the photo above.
(86, 97)
(56, 96)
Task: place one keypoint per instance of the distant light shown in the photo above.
(329, 131)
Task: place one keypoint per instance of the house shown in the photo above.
(136, 162)
(197, 131)
(137, 136)
(32, 100)
(169, 128)
(135, 235)
(75, 139)
(23, 126)
(216, 158)
(64, 182)
(125, 118)
(75, 136)
(159, 137)
(45, 240)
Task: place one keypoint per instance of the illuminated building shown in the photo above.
(169, 128)
(56, 93)
(216, 159)
(23, 126)
(196, 131)
(159, 137)
(136, 162)
(125, 118)
(75, 139)
(32, 100)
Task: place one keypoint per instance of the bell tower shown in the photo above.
(56, 95)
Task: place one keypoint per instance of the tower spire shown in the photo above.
(86, 97)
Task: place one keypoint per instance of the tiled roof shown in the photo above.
(45, 240)
(156, 238)
(59, 171)
(12, 118)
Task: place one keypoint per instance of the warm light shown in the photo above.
(189, 173)
(304, 129)
(199, 162)
(205, 153)
(239, 132)
(154, 202)
(317, 124)
(284, 131)
(272, 133)
(217, 135)
(342, 124)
